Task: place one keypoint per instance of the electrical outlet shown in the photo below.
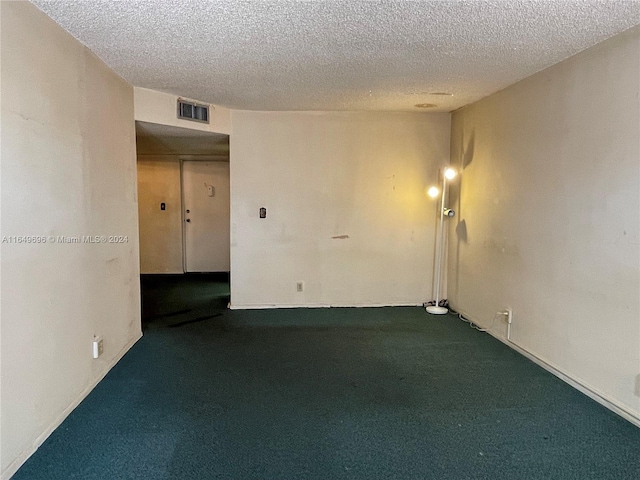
(508, 315)
(300, 287)
(98, 347)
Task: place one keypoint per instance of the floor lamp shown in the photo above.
(448, 174)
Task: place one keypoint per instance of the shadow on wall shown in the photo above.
(467, 154)
(466, 157)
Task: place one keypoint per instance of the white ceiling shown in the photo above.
(336, 55)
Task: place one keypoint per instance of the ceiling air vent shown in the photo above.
(193, 111)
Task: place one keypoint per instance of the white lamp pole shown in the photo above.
(436, 309)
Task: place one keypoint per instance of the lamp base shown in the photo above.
(435, 310)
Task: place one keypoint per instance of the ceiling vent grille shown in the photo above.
(193, 111)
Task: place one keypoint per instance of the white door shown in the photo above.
(205, 187)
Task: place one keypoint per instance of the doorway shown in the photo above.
(178, 165)
(184, 224)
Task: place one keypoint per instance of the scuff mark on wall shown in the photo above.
(113, 267)
(340, 237)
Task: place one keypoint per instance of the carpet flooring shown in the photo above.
(371, 393)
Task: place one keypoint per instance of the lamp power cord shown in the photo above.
(475, 326)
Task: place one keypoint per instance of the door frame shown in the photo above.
(182, 218)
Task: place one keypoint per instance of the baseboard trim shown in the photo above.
(321, 305)
(268, 306)
(575, 382)
(24, 456)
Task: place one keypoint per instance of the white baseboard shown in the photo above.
(322, 305)
(576, 383)
(24, 456)
(268, 307)
(563, 375)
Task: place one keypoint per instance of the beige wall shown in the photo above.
(67, 169)
(548, 224)
(160, 231)
(325, 175)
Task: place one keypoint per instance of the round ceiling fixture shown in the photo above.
(425, 105)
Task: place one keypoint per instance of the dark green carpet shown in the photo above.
(376, 393)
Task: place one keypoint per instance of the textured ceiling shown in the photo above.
(154, 139)
(336, 55)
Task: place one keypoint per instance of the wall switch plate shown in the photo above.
(98, 347)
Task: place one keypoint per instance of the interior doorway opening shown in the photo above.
(184, 219)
